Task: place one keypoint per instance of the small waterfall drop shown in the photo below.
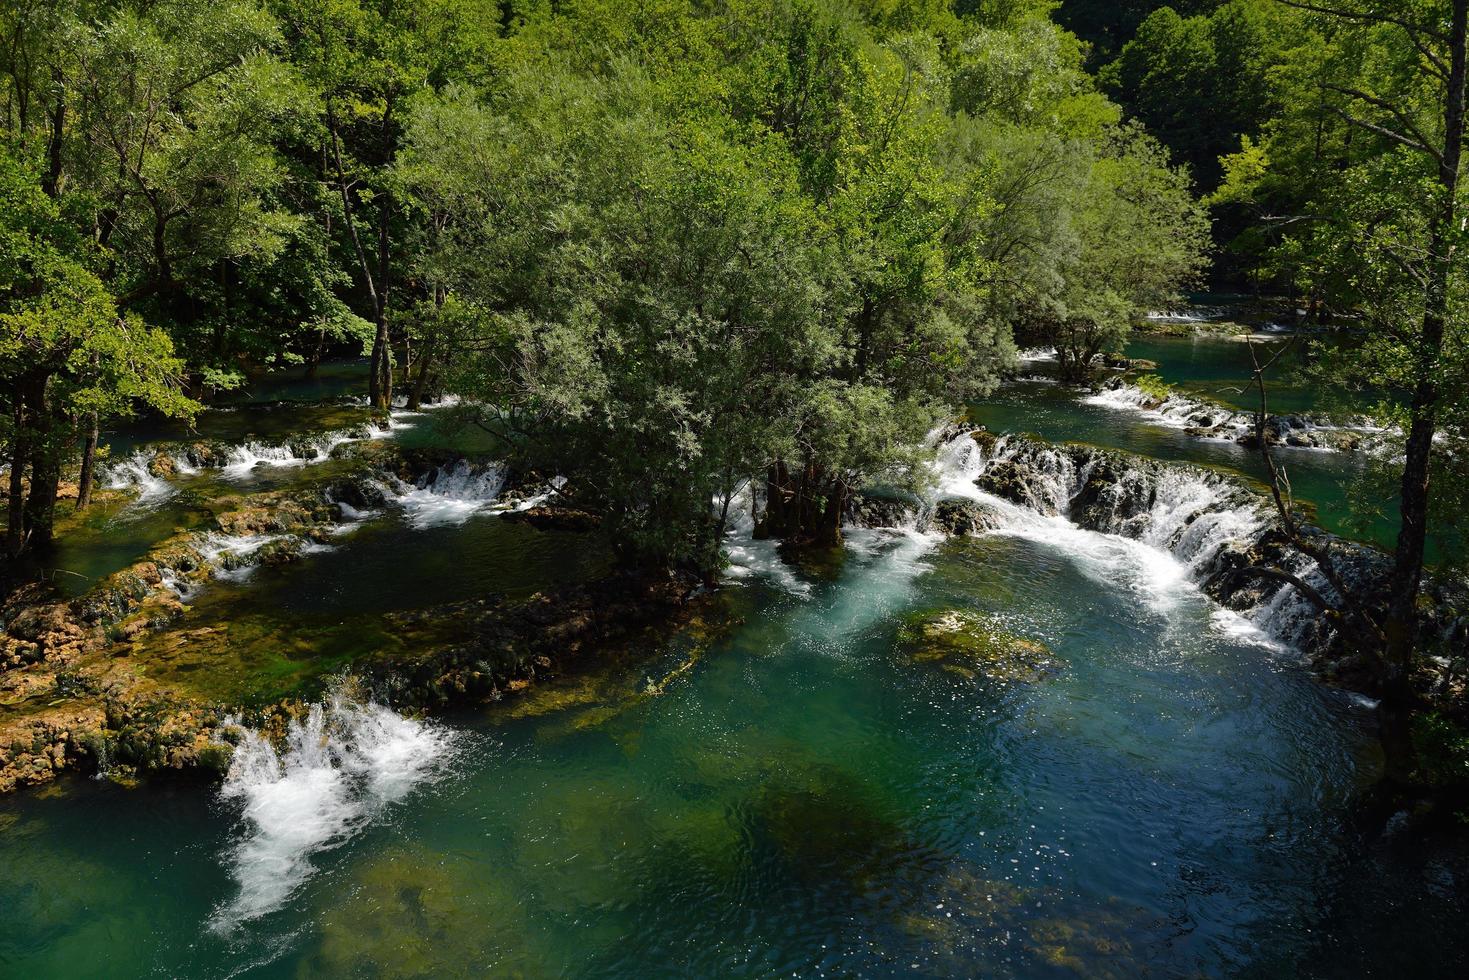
(341, 766)
(1155, 530)
(244, 458)
(451, 494)
(133, 473)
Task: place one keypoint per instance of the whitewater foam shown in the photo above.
(133, 473)
(342, 765)
(747, 557)
(451, 494)
(1159, 554)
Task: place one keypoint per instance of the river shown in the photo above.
(780, 789)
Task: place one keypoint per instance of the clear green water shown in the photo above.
(806, 800)
(802, 798)
(1221, 368)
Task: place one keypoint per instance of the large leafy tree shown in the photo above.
(67, 356)
(1368, 216)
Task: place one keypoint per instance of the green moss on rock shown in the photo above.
(972, 645)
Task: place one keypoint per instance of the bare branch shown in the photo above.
(1391, 134)
(1403, 119)
(1312, 594)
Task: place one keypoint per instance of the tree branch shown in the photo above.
(1391, 134)
(1402, 117)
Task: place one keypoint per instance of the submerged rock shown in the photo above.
(544, 517)
(971, 644)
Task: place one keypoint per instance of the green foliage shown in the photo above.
(1442, 750)
(1202, 81)
(58, 321)
(659, 248)
(1153, 386)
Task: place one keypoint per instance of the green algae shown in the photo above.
(973, 645)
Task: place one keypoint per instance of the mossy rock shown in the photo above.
(960, 517)
(971, 645)
(1015, 482)
(163, 466)
(985, 439)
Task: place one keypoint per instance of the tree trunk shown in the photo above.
(51, 182)
(89, 466)
(40, 505)
(415, 397)
(804, 509)
(1400, 627)
(380, 384)
(778, 493)
(15, 537)
(313, 363)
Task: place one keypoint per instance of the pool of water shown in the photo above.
(779, 789)
(1221, 368)
(803, 799)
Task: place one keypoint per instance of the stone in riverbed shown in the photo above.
(971, 644)
(163, 466)
(1015, 482)
(544, 518)
(959, 517)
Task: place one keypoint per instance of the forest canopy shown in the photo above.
(663, 248)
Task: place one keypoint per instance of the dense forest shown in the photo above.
(698, 258)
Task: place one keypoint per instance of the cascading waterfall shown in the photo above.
(1206, 420)
(1176, 411)
(451, 494)
(1161, 529)
(244, 458)
(134, 473)
(341, 767)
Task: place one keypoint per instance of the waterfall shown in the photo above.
(133, 473)
(1206, 420)
(341, 767)
(1176, 411)
(451, 494)
(749, 557)
(244, 458)
(1158, 530)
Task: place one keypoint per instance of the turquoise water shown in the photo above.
(805, 799)
(1221, 368)
(782, 789)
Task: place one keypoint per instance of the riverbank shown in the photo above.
(120, 680)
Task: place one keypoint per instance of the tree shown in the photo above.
(1382, 229)
(66, 355)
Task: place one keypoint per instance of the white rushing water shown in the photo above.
(340, 768)
(1159, 555)
(451, 494)
(132, 473)
(1179, 411)
(455, 492)
(1176, 411)
(752, 558)
(247, 456)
